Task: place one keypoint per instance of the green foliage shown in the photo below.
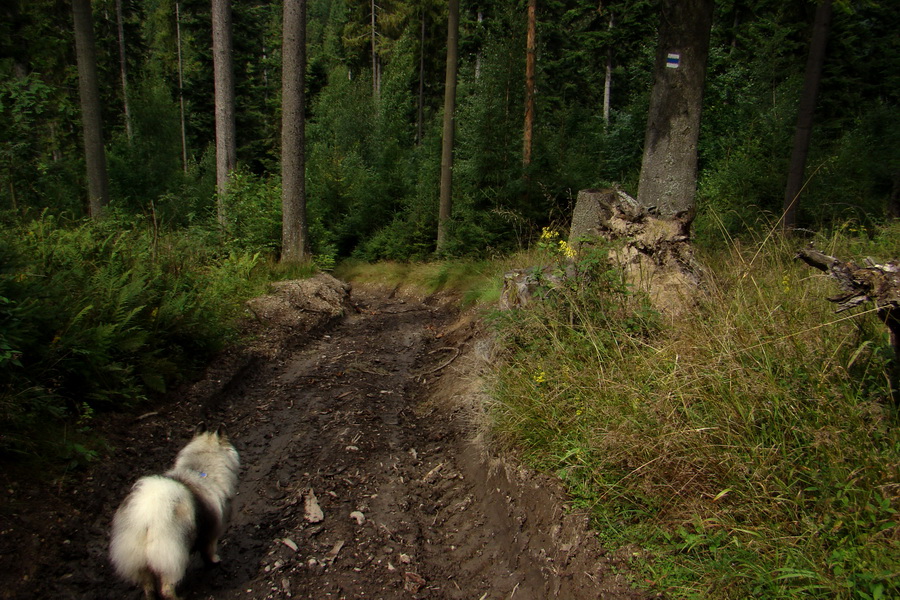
(860, 171)
(146, 172)
(748, 447)
(29, 175)
(98, 316)
(253, 220)
(473, 282)
(253, 212)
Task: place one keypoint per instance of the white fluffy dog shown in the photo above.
(166, 517)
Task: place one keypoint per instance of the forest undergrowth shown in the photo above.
(100, 316)
(748, 448)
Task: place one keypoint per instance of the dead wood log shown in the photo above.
(872, 282)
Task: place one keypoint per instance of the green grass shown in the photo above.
(471, 282)
(749, 447)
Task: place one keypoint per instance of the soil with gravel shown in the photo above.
(364, 473)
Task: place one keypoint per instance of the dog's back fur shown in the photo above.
(165, 517)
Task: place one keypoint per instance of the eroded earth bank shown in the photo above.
(364, 474)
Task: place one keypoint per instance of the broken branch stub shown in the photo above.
(876, 283)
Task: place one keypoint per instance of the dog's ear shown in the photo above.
(200, 428)
(221, 432)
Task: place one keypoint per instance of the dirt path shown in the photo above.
(371, 421)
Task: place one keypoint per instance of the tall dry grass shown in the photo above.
(749, 446)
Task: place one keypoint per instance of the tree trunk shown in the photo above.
(607, 80)
(480, 20)
(376, 78)
(654, 253)
(184, 154)
(89, 92)
(420, 105)
(530, 51)
(669, 168)
(123, 70)
(446, 198)
(294, 230)
(805, 114)
(223, 74)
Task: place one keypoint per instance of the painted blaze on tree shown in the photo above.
(669, 168)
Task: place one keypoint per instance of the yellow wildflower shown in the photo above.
(566, 249)
(549, 235)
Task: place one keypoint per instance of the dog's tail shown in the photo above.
(152, 533)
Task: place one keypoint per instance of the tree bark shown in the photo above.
(607, 80)
(420, 104)
(123, 69)
(223, 74)
(376, 75)
(480, 20)
(530, 56)
(654, 253)
(803, 132)
(668, 177)
(184, 153)
(446, 197)
(89, 92)
(294, 229)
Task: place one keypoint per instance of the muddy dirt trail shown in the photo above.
(362, 477)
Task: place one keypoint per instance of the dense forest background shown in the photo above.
(374, 90)
(749, 445)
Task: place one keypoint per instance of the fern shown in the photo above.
(103, 315)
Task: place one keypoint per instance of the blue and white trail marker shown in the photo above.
(673, 60)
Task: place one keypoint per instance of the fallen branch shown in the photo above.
(873, 282)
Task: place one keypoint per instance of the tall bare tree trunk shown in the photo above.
(530, 52)
(123, 70)
(807, 108)
(294, 229)
(668, 178)
(89, 92)
(223, 74)
(376, 70)
(446, 198)
(607, 80)
(184, 153)
(480, 19)
(420, 103)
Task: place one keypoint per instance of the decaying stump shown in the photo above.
(876, 283)
(656, 253)
(521, 286)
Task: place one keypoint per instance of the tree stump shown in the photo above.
(655, 253)
(521, 286)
